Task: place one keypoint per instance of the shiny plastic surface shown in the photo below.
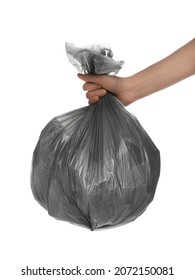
(95, 166)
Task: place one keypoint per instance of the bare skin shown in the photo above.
(168, 71)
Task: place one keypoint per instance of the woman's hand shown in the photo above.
(98, 85)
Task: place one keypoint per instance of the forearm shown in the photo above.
(172, 69)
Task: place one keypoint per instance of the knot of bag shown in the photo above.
(93, 59)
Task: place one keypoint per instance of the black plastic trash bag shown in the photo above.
(95, 166)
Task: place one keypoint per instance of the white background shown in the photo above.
(38, 83)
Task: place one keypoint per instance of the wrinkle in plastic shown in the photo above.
(95, 166)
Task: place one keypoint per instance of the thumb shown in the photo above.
(96, 79)
(106, 81)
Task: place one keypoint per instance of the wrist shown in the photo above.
(132, 91)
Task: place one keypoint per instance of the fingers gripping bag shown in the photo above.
(95, 166)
